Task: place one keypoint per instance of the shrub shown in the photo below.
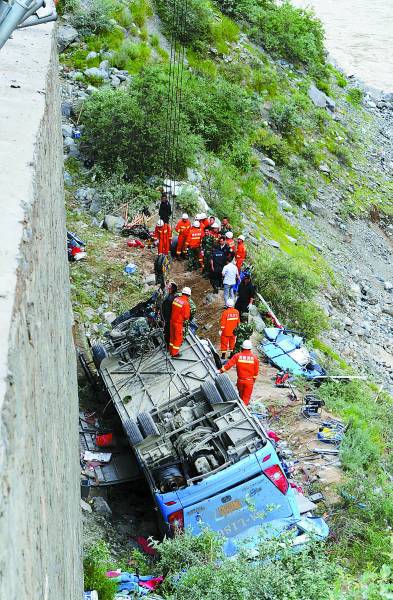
(114, 192)
(273, 146)
(187, 201)
(128, 126)
(242, 157)
(355, 96)
(93, 17)
(96, 562)
(197, 30)
(279, 573)
(219, 111)
(284, 116)
(221, 190)
(67, 7)
(291, 32)
(289, 287)
(131, 56)
(141, 10)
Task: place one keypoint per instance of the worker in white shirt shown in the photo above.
(230, 275)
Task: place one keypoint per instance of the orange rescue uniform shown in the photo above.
(241, 254)
(163, 234)
(231, 244)
(204, 223)
(230, 319)
(247, 367)
(183, 227)
(181, 312)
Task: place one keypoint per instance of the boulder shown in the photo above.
(324, 168)
(316, 208)
(101, 506)
(96, 73)
(388, 286)
(67, 130)
(67, 179)
(114, 224)
(91, 55)
(65, 36)
(319, 98)
(84, 196)
(256, 318)
(388, 310)
(274, 244)
(66, 109)
(104, 66)
(115, 81)
(285, 205)
(96, 204)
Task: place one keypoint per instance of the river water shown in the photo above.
(359, 37)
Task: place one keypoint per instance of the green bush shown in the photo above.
(291, 32)
(131, 56)
(64, 7)
(115, 192)
(355, 96)
(289, 287)
(129, 126)
(93, 17)
(272, 145)
(242, 157)
(284, 116)
(222, 191)
(187, 201)
(96, 562)
(197, 30)
(217, 110)
(141, 10)
(278, 574)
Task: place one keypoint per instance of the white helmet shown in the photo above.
(198, 216)
(229, 235)
(215, 225)
(246, 345)
(184, 216)
(241, 237)
(230, 303)
(196, 224)
(186, 291)
(203, 216)
(160, 222)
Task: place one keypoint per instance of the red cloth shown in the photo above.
(230, 319)
(247, 367)
(180, 312)
(183, 227)
(241, 254)
(163, 234)
(194, 237)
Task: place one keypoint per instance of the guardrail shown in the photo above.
(17, 14)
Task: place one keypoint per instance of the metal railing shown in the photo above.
(16, 14)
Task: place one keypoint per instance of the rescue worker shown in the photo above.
(212, 220)
(241, 252)
(166, 309)
(193, 246)
(230, 319)
(215, 230)
(163, 236)
(225, 225)
(180, 315)
(182, 228)
(247, 367)
(208, 243)
(230, 242)
(165, 209)
(218, 260)
(204, 221)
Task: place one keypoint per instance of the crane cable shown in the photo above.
(174, 94)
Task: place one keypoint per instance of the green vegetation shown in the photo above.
(96, 562)
(355, 96)
(93, 18)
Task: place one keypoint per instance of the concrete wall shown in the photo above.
(39, 461)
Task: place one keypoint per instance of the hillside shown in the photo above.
(298, 156)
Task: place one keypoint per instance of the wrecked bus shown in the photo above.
(207, 460)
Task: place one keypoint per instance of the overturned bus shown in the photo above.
(206, 458)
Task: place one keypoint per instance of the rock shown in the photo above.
(150, 279)
(96, 73)
(268, 161)
(90, 313)
(114, 224)
(85, 506)
(388, 286)
(66, 109)
(372, 300)
(85, 196)
(388, 310)
(115, 81)
(291, 239)
(67, 130)
(319, 98)
(324, 168)
(256, 318)
(109, 316)
(316, 209)
(371, 104)
(316, 246)
(209, 298)
(285, 205)
(67, 179)
(91, 55)
(96, 204)
(65, 36)
(274, 244)
(104, 66)
(101, 506)
(90, 90)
